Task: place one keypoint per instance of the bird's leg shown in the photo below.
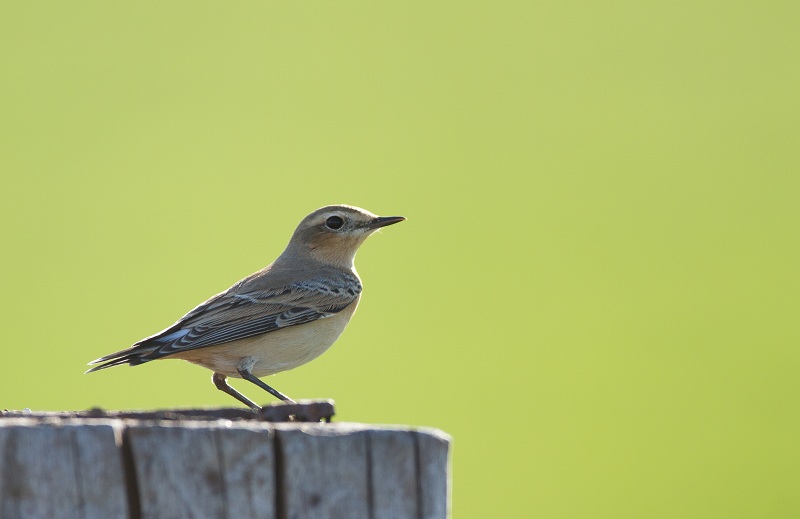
(245, 374)
(220, 381)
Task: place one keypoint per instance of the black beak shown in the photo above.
(383, 221)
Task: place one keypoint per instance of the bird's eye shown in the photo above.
(334, 222)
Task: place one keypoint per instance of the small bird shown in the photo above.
(283, 316)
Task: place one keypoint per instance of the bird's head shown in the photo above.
(332, 234)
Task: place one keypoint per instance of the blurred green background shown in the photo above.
(596, 291)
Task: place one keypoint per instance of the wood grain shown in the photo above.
(433, 456)
(247, 459)
(324, 471)
(393, 474)
(87, 468)
(64, 470)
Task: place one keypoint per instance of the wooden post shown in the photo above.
(56, 465)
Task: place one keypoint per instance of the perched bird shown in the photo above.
(281, 317)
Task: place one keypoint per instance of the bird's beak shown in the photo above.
(383, 221)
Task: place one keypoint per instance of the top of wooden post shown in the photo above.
(217, 463)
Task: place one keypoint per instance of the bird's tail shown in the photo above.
(150, 348)
(131, 356)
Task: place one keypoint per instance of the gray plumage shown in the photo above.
(245, 310)
(278, 318)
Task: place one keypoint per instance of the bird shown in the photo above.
(278, 318)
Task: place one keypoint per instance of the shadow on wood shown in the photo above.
(58, 466)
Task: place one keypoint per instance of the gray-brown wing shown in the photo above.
(240, 313)
(237, 316)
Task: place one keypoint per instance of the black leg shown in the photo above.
(274, 392)
(220, 381)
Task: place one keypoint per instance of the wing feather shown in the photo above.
(237, 316)
(245, 310)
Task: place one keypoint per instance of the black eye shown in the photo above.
(334, 222)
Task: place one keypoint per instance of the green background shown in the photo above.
(596, 291)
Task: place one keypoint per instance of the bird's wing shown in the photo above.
(245, 311)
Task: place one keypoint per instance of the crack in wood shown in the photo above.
(131, 482)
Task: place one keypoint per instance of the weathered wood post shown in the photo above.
(217, 464)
